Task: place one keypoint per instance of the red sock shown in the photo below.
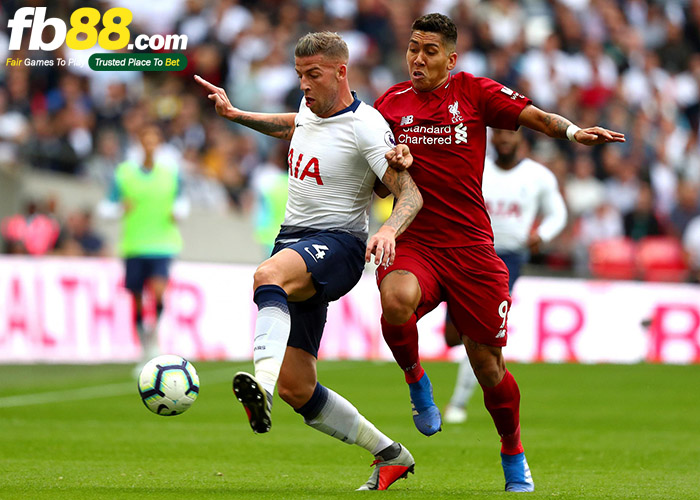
(503, 403)
(403, 342)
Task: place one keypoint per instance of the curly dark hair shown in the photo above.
(438, 23)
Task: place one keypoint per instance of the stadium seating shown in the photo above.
(661, 258)
(613, 259)
(654, 258)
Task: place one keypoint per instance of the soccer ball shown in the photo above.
(168, 385)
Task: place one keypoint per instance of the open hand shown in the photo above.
(383, 246)
(598, 135)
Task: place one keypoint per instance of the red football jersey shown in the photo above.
(446, 131)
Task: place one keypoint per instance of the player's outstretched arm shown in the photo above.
(560, 128)
(280, 125)
(408, 202)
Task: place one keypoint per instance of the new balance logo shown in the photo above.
(460, 133)
(406, 120)
(501, 334)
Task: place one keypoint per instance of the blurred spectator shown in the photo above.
(546, 70)
(603, 223)
(583, 191)
(686, 208)
(196, 22)
(595, 73)
(79, 238)
(504, 19)
(14, 132)
(34, 232)
(691, 244)
(622, 187)
(642, 221)
(49, 147)
(231, 19)
(107, 156)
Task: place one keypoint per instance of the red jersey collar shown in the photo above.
(439, 92)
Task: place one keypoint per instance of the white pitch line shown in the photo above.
(93, 392)
(111, 390)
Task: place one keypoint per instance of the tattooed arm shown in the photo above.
(399, 158)
(280, 125)
(408, 202)
(556, 126)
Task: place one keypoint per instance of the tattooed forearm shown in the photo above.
(276, 125)
(408, 199)
(555, 125)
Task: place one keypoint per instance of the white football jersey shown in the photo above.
(513, 199)
(333, 164)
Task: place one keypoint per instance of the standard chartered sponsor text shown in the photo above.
(432, 134)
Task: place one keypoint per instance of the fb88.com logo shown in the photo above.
(115, 34)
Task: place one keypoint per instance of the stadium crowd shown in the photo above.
(629, 65)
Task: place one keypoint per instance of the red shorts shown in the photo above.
(472, 280)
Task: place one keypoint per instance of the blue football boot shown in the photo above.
(517, 473)
(426, 415)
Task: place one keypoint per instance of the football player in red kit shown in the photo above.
(447, 253)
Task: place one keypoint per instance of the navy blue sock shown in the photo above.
(271, 296)
(313, 406)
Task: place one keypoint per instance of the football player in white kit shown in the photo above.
(337, 152)
(515, 190)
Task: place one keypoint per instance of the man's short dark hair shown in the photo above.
(438, 23)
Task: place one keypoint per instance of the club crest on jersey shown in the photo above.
(454, 109)
(406, 120)
(312, 168)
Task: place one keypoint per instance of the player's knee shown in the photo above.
(293, 392)
(397, 306)
(266, 274)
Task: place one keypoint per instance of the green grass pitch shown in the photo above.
(590, 431)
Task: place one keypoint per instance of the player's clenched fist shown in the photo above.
(400, 157)
(383, 246)
(218, 95)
